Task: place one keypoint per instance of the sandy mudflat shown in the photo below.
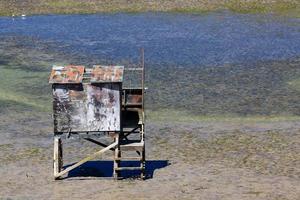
(205, 160)
(8, 7)
(190, 155)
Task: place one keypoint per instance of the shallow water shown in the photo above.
(237, 64)
(204, 155)
(181, 39)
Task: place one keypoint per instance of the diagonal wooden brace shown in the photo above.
(85, 160)
(98, 143)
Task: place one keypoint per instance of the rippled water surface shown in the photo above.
(182, 39)
(216, 63)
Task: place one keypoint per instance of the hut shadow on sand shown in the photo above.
(98, 169)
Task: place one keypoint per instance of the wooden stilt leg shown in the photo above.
(143, 154)
(117, 155)
(57, 156)
(143, 162)
(90, 157)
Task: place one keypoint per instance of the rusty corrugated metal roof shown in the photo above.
(66, 74)
(107, 74)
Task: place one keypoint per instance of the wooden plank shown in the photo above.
(98, 143)
(103, 107)
(134, 69)
(57, 156)
(116, 156)
(136, 146)
(143, 164)
(130, 158)
(141, 118)
(87, 107)
(86, 159)
(128, 168)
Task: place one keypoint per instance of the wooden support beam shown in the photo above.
(128, 168)
(130, 158)
(98, 143)
(117, 155)
(134, 69)
(134, 146)
(57, 155)
(127, 133)
(143, 164)
(86, 159)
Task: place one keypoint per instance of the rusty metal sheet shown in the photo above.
(106, 74)
(134, 99)
(133, 96)
(86, 107)
(66, 74)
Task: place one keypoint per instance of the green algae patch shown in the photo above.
(19, 92)
(10, 153)
(264, 152)
(168, 115)
(294, 84)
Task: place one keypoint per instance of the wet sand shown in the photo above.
(203, 160)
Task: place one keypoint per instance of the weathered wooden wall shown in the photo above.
(87, 107)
